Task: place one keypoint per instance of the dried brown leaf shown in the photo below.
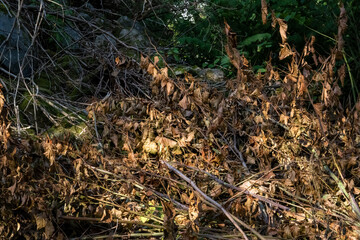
(250, 160)
(284, 119)
(40, 221)
(49, 152)
(169, 88)
(144, 62)
(151, 69)
(115, 140)
(197, 94)
(231, 36)
(285, 51)
(264, 11)
(342, 74)
(283, 26)
(156, 60)
(150, 147)
(49, 230)
(120, 60)
(283, 29)
(193, 212)
(230, 178)
(318, 107)
(302, 85)
(205, 96)
(190, 136)
(184, 102)
(216, 190)
(12, 188)
(166, 142)
(169, 224)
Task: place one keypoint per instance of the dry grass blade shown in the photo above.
(349, 196)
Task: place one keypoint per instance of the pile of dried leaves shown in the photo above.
(265, 157)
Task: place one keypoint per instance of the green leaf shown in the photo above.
(144, 219)
(216, 151)
(255, 38)
(290, 16)
(225, 60)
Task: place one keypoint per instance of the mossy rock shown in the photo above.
(180, 70)
(79, 131)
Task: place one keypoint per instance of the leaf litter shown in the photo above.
(272, 155)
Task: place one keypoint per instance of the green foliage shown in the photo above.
(175, 53)
(198, 36)
(260, 40)
(352, 49)
(198, 30)
(222, 62)
(256, 38)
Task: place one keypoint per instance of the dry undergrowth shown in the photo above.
(273, 156)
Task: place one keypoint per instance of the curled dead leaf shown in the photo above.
(150, 147)
(285, 51)
(264, 11)
(166, 142)
(184, 102)
(144, 62)
(40, 221)
(283, 26)
(169, 88)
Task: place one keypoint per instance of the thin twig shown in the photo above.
(97, 134)
(141, 214)
(124, 236)
(236, 152)
(240, 189)
(140, 186)
(230, 217)
(113, 220)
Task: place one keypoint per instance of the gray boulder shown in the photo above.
(103, 40)
(13, 51)
(133, 32)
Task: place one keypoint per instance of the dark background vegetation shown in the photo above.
(192, 31)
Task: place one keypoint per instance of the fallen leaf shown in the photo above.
(284, 119)
(184, 102)
(169, 88)
(40, 221)
(12, 188)
(166, 142)
(49, 230)
(150, 147)
(285, 51)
